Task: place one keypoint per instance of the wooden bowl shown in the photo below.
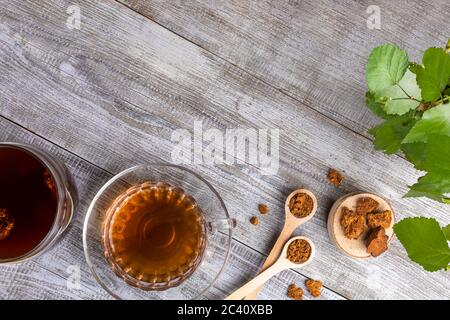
(355, 248)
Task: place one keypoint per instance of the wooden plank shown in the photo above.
(312, 50)
(46, 276)
(114, 93)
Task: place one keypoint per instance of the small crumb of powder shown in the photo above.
(314, 287)
(335, 177)
(6, 223)
(254, 221)
(263, 208)
(301, 205)
(298, 251)
(295, 292)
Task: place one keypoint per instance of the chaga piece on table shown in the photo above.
(353, 224)
(377, 242)
(263, 208)
(365, 205)
(254, 221)
(294, 292)
(379, 219)
(314, 287)
(335, 177)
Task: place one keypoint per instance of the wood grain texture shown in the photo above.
(114, 91)
(46, 276)
(314, 51)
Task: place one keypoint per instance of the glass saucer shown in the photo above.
(218, 230)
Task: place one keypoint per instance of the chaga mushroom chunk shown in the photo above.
(335, 177)
(353, 224)
(365, 205)
(377, 242)
(6, 223)
(379, 219)
(254, 221)
(314, 287)
(294, 292)
(263, 208)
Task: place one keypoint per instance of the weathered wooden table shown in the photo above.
(110, 92)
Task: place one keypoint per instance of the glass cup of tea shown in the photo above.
(37, 201)
(157, 231)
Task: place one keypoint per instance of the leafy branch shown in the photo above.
(425, 241)
(413, 99)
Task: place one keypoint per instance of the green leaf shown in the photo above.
(437, 155)
(446, 231)
(433, 76)
(389, 134)
(433, 157)
(433, 185)
(397, 100)
(434, 121)
(414, 67)
(424, 242)
(386, 66)
(375, 106)
(432, 196)
(415, 153)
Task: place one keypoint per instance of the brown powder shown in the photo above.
(254, 221)
(6, 223)
(301, 205)
(314, 287)
(365, 205)
(298, 251)
(335, 177)
(263, 208)
(353, 224)
(295, 292)
(379, 219)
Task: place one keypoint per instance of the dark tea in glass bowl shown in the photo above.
(36, 201)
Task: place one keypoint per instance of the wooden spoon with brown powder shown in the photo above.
(300, 206)
(296, 253)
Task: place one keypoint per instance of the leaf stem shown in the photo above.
(443, 99)
(406, 93)
(405, 99)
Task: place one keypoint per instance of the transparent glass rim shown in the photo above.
(61, 221)
(117, 177)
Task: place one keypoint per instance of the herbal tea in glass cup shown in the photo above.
(154, 233)
(157, 231)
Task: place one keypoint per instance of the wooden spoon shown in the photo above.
(291, 223)
(281, 264)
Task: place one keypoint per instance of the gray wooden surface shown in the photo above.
(110, 94)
